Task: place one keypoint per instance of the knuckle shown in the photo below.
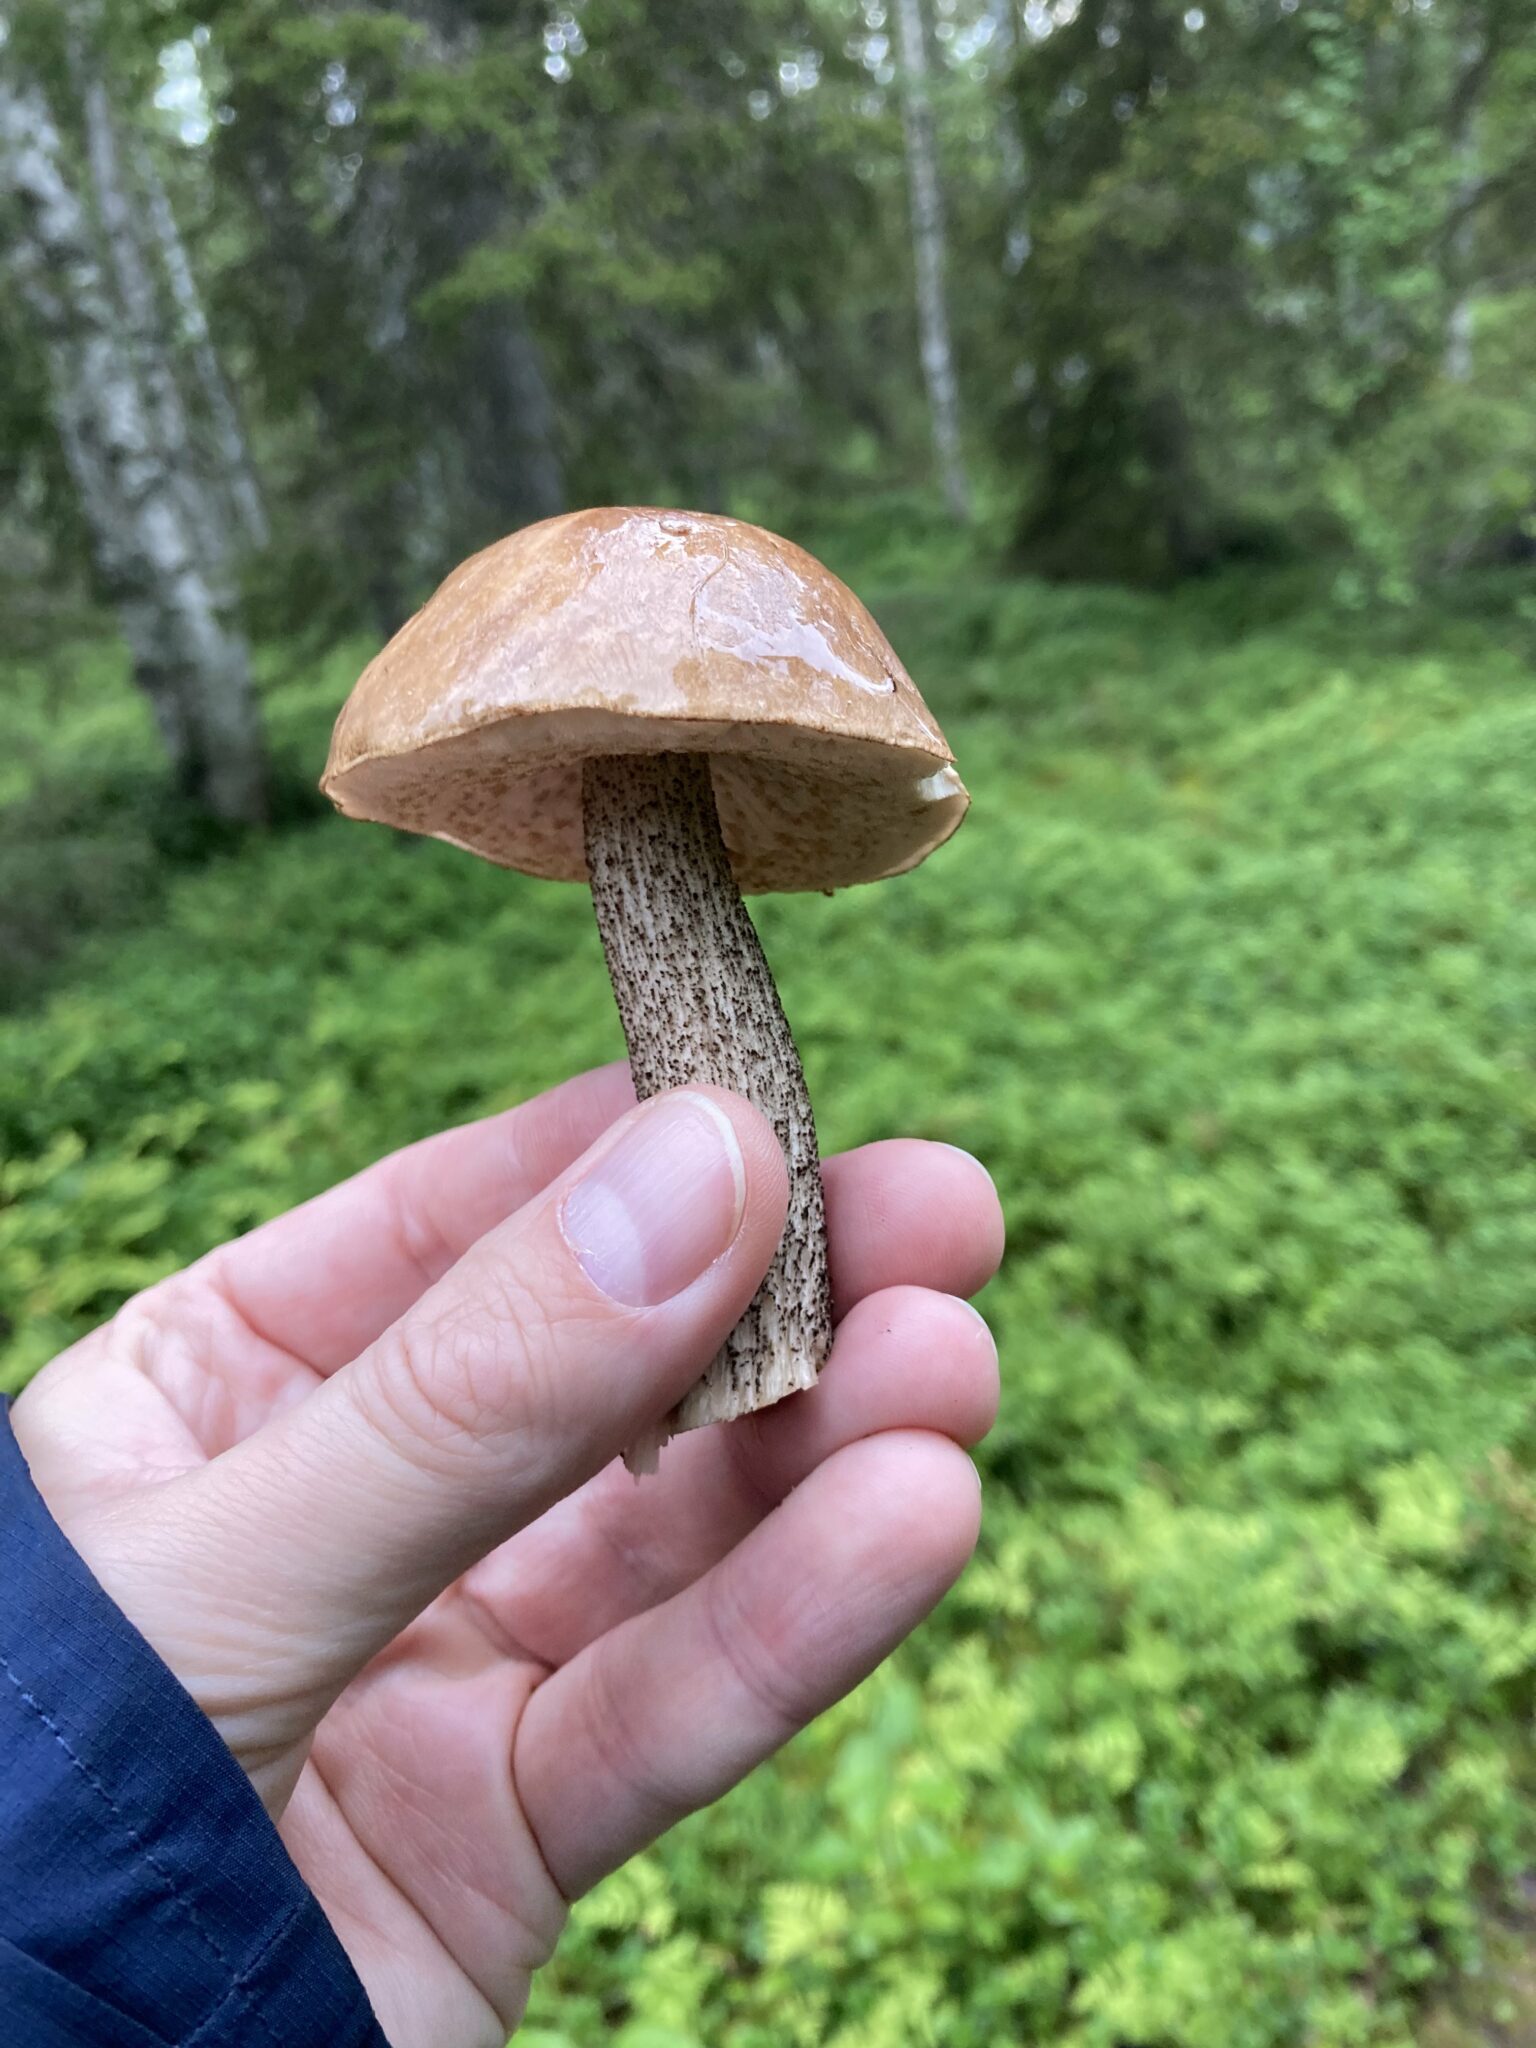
(619, 1747)
(162, 1329)
(415, 1236)
(640, 1560)
(450, 1381)
(763, 1675)
(475, 1370)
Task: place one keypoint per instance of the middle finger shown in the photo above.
(905, 1356)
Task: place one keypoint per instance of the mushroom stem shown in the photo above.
(698, 1003)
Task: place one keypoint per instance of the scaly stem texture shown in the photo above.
(698, 1003)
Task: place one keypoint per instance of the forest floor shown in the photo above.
(1229, 977)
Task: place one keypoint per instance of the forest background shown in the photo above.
(1162, 376)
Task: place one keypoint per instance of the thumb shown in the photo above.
(557, 1339)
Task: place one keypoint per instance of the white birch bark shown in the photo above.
(143, 513)
(927, 206)
(237, 470)
(143, 328)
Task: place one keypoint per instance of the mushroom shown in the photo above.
(677, 708)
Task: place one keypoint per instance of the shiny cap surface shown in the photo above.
(627, 630)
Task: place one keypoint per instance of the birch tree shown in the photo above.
(236, 471)
(154, 520)
(928, 256)
(1010, 143)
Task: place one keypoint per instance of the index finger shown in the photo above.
(322, 1281)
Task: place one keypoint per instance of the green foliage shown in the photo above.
(1255, 230)
(1228, 978)
(1243, 279)
(1446, 482)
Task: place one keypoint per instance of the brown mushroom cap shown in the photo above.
(620, 631)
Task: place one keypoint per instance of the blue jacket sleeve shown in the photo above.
(147, 1901)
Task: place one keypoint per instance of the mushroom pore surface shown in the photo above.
(698, 1003)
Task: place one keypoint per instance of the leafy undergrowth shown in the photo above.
(1230, 979)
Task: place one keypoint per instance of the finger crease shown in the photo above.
(393, 1884)
(608, 1718)
(498, 1635)
(741, 1440)
(741, 1649)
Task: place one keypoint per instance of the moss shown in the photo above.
(1229, 977)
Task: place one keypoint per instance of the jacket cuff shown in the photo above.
(148, 1898)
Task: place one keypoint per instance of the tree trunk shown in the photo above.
(531, 417)
(928, 256)
(1465, 103)
(144, 329)
(238, 473)
(1012, 159)
(511, 436)
(145, 508)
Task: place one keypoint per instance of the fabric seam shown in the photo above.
(172, 1891)
(240, 1985)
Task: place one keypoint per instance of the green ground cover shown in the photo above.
(1231, 979)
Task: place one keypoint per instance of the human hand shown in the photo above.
(355, 1479)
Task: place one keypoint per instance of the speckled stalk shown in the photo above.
(698, 1003)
